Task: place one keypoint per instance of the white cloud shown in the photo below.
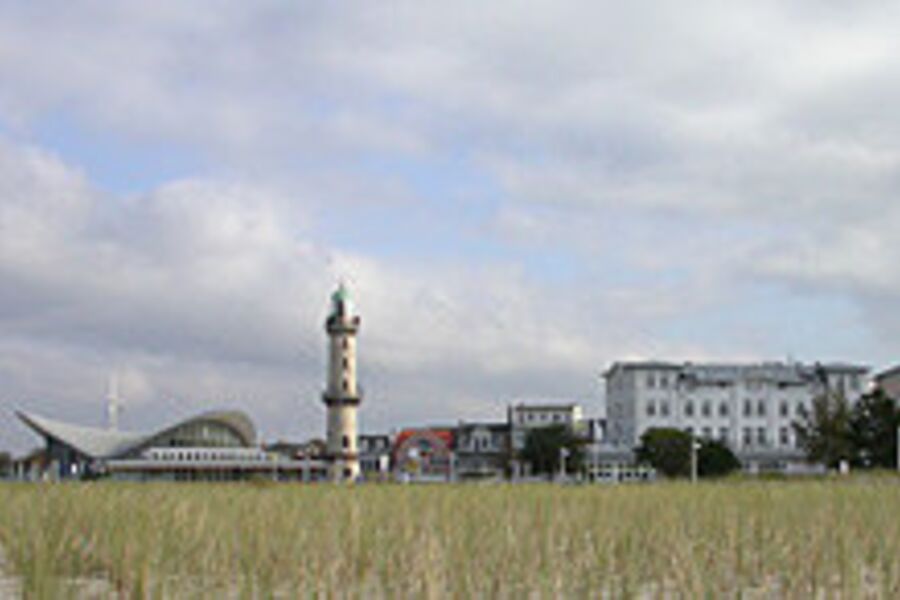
(677, 156)
(210, 292)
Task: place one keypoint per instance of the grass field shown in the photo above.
(753, 538)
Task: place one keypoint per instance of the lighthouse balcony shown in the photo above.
(342, 399)
(342, 324)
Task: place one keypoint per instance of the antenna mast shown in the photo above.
(113, 403)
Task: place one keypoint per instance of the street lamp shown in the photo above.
(695, 446)
(563, 453)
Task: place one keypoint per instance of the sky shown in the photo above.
(518, 194)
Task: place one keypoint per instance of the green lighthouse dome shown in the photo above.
(341, 301)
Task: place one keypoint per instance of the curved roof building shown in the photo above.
(212, 429)
(212, 445)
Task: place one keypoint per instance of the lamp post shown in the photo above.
(695, 446)
(563, 453)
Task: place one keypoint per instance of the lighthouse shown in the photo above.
(342, 396)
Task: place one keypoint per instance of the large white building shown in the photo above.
(749, 406)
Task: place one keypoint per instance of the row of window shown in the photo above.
(663, 380)
(542, 417)
(481, 444)
(705, 408)
(206, 455)
(749, 436)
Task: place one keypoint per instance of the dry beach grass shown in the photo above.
(835, 538)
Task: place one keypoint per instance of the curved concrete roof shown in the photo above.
(237, 421)
(103, 443)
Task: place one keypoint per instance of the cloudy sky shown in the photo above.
(518, 193)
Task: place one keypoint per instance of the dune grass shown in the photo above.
(753, 538)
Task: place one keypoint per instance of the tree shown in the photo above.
(715, 459)
(873, 430)
(824, 432)
(668, 451)
(544, 445)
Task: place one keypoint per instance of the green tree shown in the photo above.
(873, 429)
(543, 446)
(824, 432)
(668, 450)
(715, 459)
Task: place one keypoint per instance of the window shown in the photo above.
(706, 409)
(689, 431)
(761, 436)
(783, 437)
(345, 441)
(801, 409)
(748, 408)
(663, 381)
(783, 408)
(345, 362)
(723, 434)
(348, 473)
(761, 408)
(689, 408)
(723, 409)
(651, 381)
(664, 408)
(346, 385)
(854, 383)
(747, 436)
(651, 408)
(707, 433)
(345, 343)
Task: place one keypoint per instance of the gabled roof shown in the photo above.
(442, 434)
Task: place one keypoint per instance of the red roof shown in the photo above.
(445, 435)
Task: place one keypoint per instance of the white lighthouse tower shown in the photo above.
(342, 396)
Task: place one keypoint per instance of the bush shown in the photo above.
(669, 452)
(715, 459)
(543, 446)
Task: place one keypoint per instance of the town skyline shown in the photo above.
(518, 199)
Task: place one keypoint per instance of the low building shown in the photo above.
(374, 455)
(32, 466)
(889, 382)
(523, 417)
(211, 446)
(482, 450)
(423, 454)
(750, 407)
(314, 448)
